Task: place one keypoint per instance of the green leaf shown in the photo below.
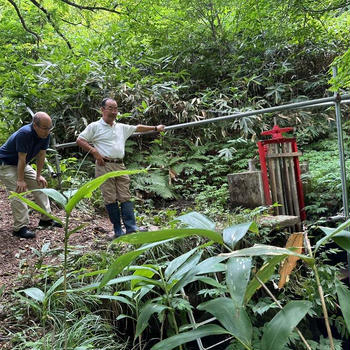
(118, 265)
(261, 249)
(92, 185)
(146, 312)
(264, 274)
(197, 220)
(35, 293)
(207, 266)
(183, 338)
(343, 293)
(210, 265)
(341, 238)
(161, 235)
(149, 273)
(237, 278)
(233, 234)
(121, 262)
(234, 319)
(177, 262)
(35, 206)
(211, 281)
(277, 331)
(54, 286)
(117, 280)
(330, 234)
(33, 304)
(55, 195)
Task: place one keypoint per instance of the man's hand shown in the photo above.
(41, 181)
(98, 157)
(160, 127)
(21, 186)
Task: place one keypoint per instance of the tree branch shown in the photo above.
(48, 16)
(23, 22)
(339, 6)
(90, 8)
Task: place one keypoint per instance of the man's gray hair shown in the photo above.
(36, 119)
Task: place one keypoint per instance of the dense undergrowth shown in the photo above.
(175, 62)
(109, 318)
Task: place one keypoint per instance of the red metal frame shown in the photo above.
(277, 137)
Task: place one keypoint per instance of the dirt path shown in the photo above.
(16, 254)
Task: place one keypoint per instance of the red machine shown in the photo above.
(280, 172)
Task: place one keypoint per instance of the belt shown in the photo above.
(115, 160)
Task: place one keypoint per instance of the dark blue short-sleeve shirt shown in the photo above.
(24, 140)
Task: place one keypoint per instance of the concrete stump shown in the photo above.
(246, 189)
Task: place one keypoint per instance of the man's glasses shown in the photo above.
(109, 108)
(45, 127)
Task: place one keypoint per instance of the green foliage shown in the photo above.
(323, 182)
(175, 62)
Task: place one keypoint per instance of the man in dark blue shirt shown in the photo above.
(17, 175)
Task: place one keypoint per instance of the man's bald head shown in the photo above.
(41, 117)
(42, 124)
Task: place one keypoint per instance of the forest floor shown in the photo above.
(17, 255)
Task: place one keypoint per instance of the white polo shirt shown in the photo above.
(108, 140)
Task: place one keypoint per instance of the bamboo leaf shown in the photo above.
(157, 236)
(261, 249)
(35, 293)
(149, 273)
(344, 296)
(92, 185)
(177, 262)
(35, 206)
(54, 286)
(234, 319)
(264, 274)
(189, 265)
(146, 312)
(233, 234)
(33, 304)
(280, 327)
(197, 220)
(237, 278)
(207, 266)
(330, 233)
(210, 265)
(55, 195)
(211, 281)
(118, 265)
(341, 238)
(183, 338)
(118, 280)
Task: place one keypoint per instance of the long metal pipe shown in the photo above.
(327, 101)
(341, 150)
(309, 103)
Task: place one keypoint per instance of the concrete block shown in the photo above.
(278, 221)
(246, 189)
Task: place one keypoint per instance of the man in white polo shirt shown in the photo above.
(108, 139)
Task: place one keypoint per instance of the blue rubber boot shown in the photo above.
(128, 217)
(114, 216)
